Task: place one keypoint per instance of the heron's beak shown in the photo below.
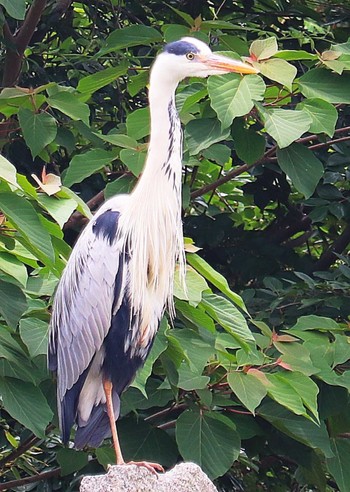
(219, 62)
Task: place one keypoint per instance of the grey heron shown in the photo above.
(119, 278)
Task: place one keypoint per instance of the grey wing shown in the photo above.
(85, 298)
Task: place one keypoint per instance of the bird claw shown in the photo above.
(152, 467)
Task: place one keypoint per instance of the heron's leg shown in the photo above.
(107, 386)
(152, 467)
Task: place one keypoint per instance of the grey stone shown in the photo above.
(185, 477)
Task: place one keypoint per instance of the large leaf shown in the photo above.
(83, 165)
(131, 36)
(204, 132)
(215, 278)
(299, 428)
(301, 166)
(91, 83)
(285, 125)
(138, 123)
(338, 466)
(279, 70)
(228, 316)
(12, 266)
(323, 115)
(326, 85)
(69, 104)
(60, 209)
(247, 388)
(71, 460)
(207, 440)
(34, 333)
(39, 129)
(24, 217)
(7, 171)
(15, 8)
(232, 95)
(27, 404)
(195, 284)
(249, 145)
(261, 49)
(305, 387)
(139, 439)
(281, 391)
(13, 303)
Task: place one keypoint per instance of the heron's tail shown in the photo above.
(97, 428)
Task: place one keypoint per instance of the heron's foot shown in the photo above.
(152, 467)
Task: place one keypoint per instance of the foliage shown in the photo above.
(254, 386)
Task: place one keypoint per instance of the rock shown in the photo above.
(185, 477)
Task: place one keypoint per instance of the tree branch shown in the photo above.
(35, 478)
(14, 56)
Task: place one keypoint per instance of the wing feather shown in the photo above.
(82, 310)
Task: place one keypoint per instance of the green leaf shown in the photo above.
(134, 160)
(292, 55)
(15, 8)
(159, 346)
(323, 115)
(305, 387)
(263, 48)
(249, 145)
(196, 350)
(215, 278)
(248, 389)
(138, 123)
(279, 70)
(232, 95)
(190, 380)
(228, 316)
(34, 333)
(210, 442)
(338, 465)
(27, 404)
(140, 439)
(301, 166)
(96, 81)
(195, 285)
(39, 129)
(313, 322)
(13, 303)
(69, 104)
(218, 153)
(119, 140)
(285, 125)
(127, 37)
(60, 209)
(14, 267)
(299, 428)
(196, 315)
(71, 460)
(202, 133)
(83, 165)
(8, 171)
(24, 217)
(284, 394)
(124, 184)
(326, 85)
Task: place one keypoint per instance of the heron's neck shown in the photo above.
(163, 163)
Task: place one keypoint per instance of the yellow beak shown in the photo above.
(219, 62)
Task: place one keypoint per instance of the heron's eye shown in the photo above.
(190, 56)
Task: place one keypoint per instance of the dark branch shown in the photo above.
(35, 478)
(14, 55)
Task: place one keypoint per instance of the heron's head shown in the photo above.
(190, 57)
